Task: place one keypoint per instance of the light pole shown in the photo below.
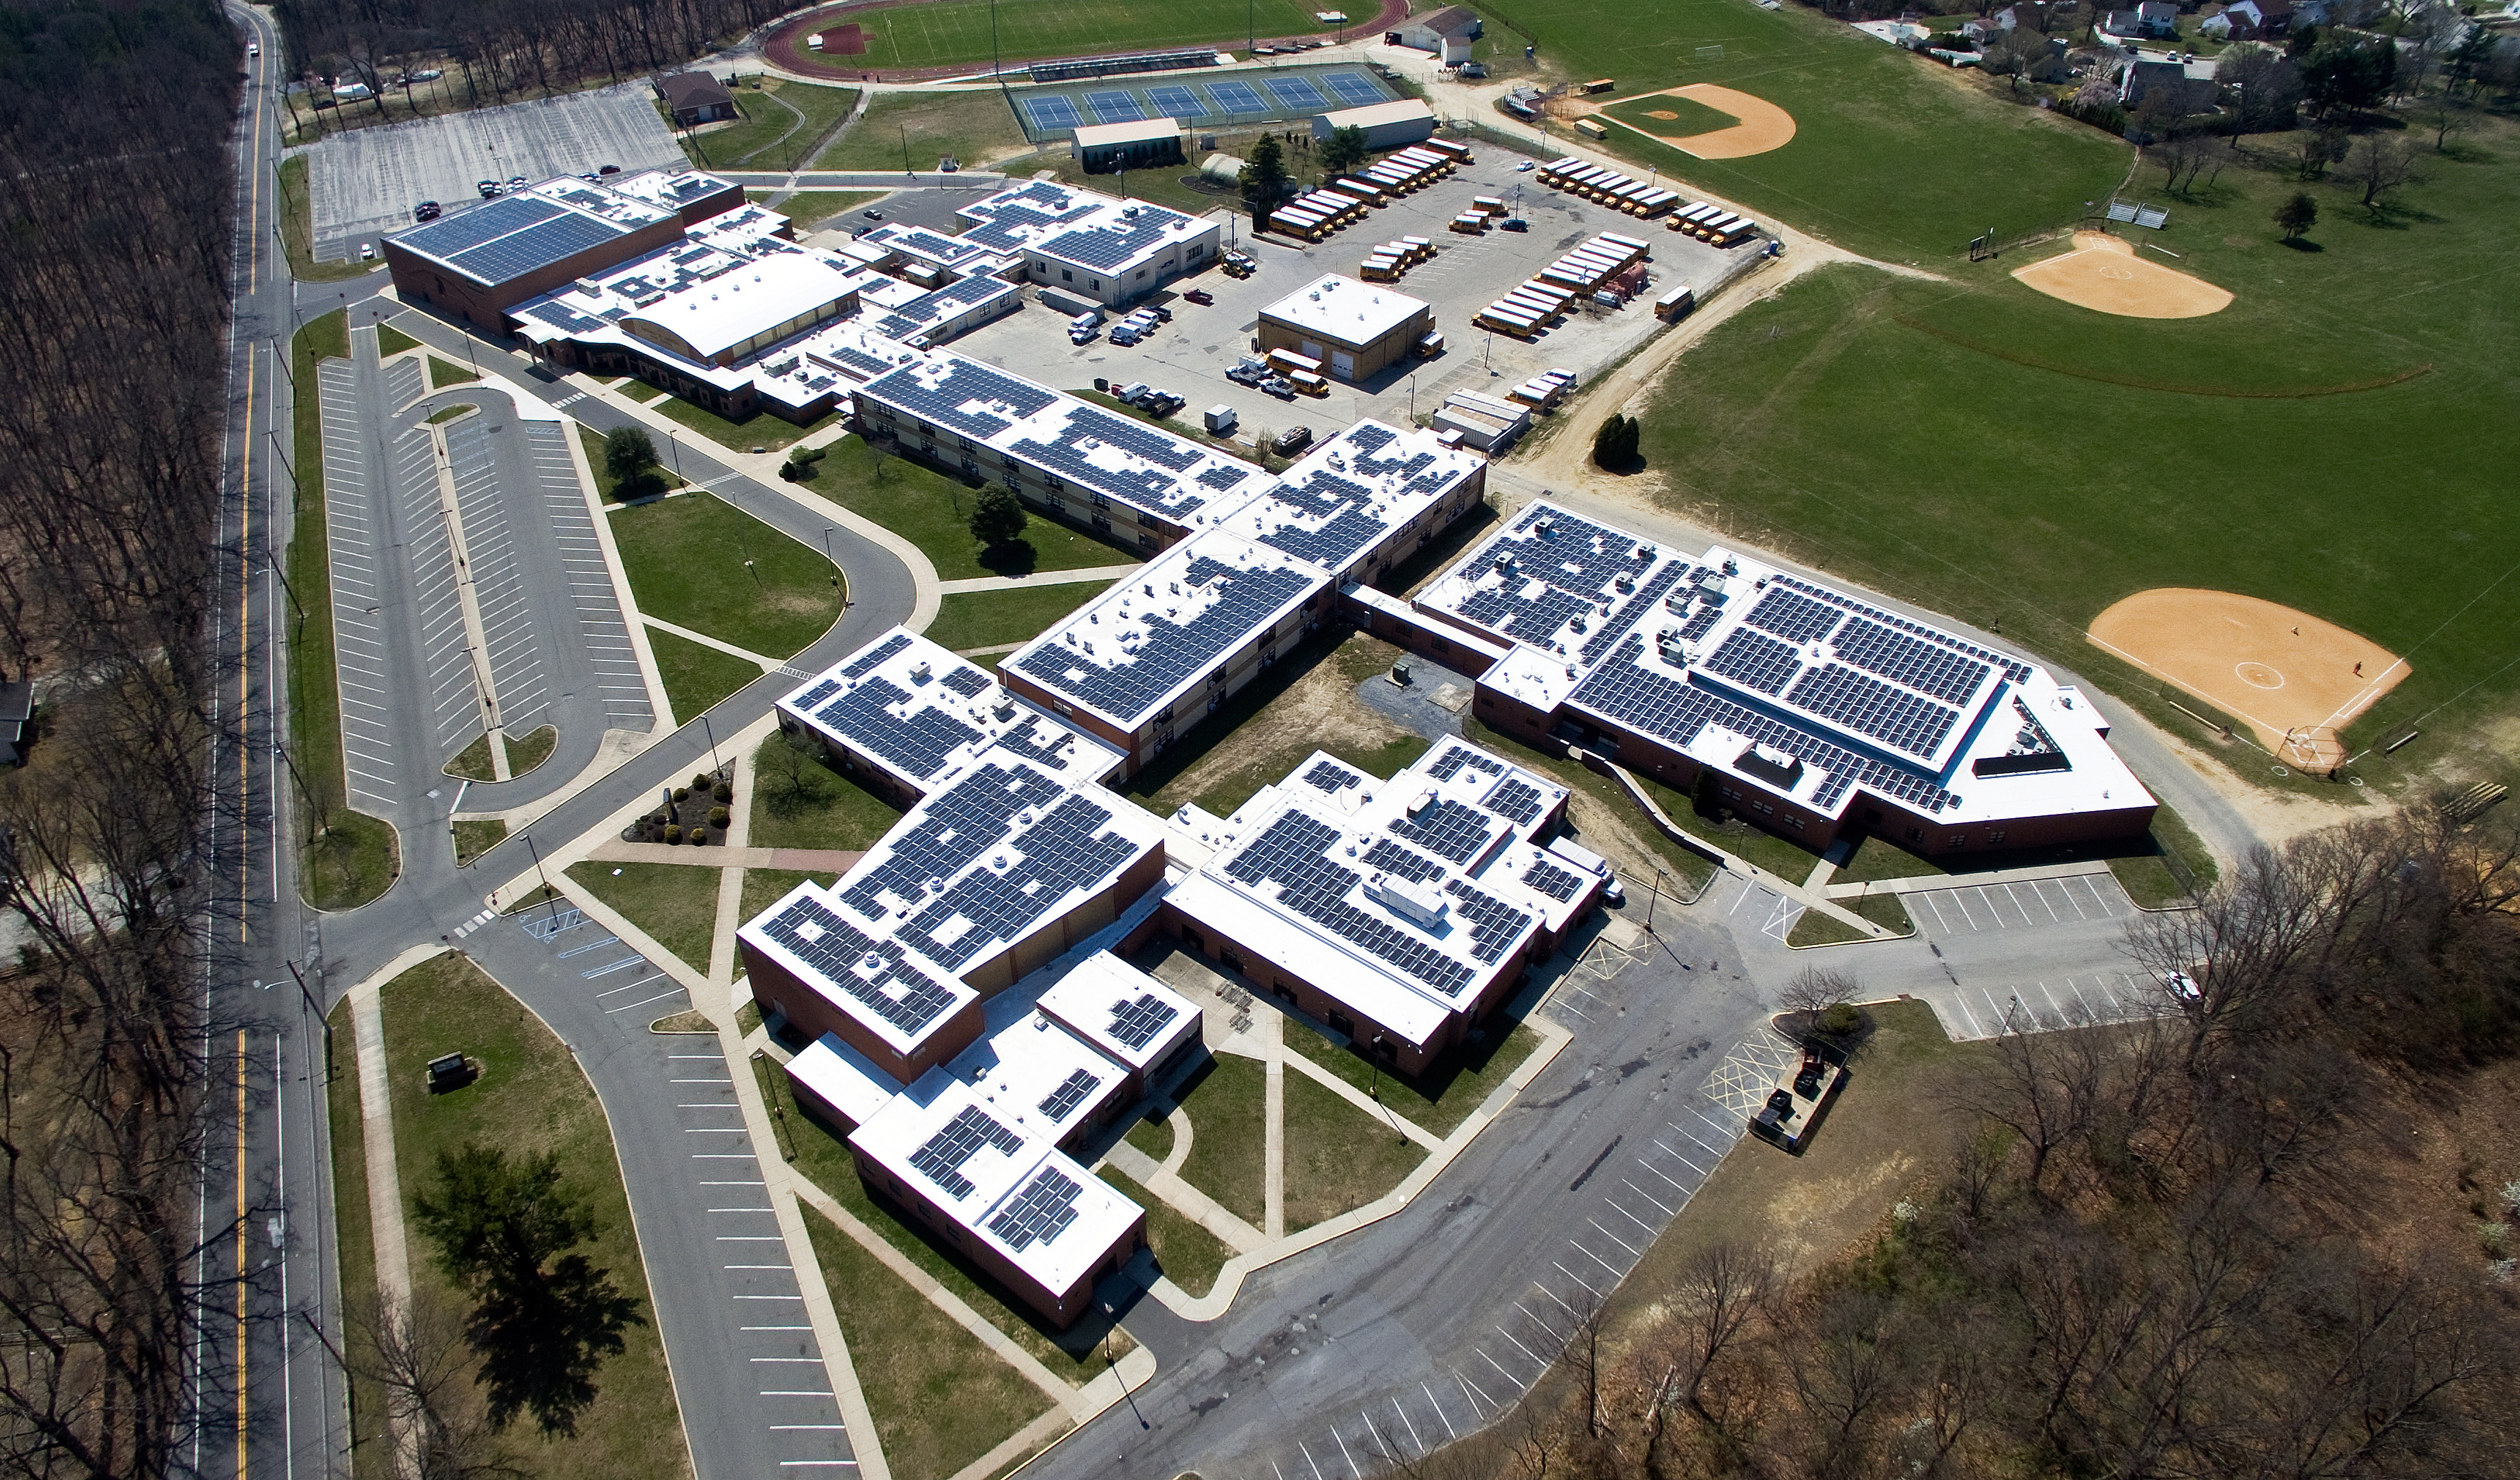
(714, 768)
(1656, 900)
(320, 1020)
(1111, 1319)
(546, 878)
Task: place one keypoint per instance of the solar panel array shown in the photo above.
(1550, 879)
(1408, 862)
(1446, 828)
(814, 694)
(496, 218)
(1623, 621)
(1033, 741)
(872, 657)
(1702, 622)
(1458, 754)
(952, 828)
(1577, 565)
(1923, 666)
(1136, 1024)
(1039, 1213)
(2013, 668)
(945, 1155)
(967, 397)
(1344, 503)
(1126, 686)
(1795, 619)
(918, 740)
(1650, 702)
(1294, 854)
(1066, 851)
(1330, 776)
(1114, 107)
(877, 974)
(1061, 1102)
(1868, 707)
(1107, 244)
(965, 681)
(1516, 801)
(539, 246)
(1493, 924)
(1754, 662)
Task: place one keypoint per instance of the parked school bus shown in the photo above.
(1591, 129)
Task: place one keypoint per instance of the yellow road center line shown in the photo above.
(240, 1256)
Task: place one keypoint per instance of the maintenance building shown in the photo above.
(1354, 329)
(1103, 148)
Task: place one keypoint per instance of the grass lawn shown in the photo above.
(1337, 1156)
(809, 208)
(696, 676)
(934, 512)
(956, 32)
(445, 414)
(765, 887)
(1075, 1354)
(473, 761)
(1892, 156)
(685, 558)
(760, 432)
(1226, 1100)
(354, 1243)
(975, 127)
(814, 807)
(355, 858)
(530, 1098)
(1878, 859)
(1152, 1136)
(1849, 427)
(1442, 1097)
(473, 839)
(608, 487)
(640, 391)
(939, 1399)
(391, 341)
(1891, 1126)
(443, 373)
(2157, 873)
(531, 750)
(1188, 1255)
(990, 619)
(676, 903)
(297, 232)
(781, 121)
(1694, 118)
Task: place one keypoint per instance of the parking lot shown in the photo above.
(365, 182)
(1193, 352)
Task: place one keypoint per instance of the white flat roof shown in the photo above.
(1340, 308)
(1094, 135)
(843, 1079)
(897, 993)
(1041, 1077)
(1351, 492)
(1375, 115)
(721, 312)
(1121, 1011)
(923, 714)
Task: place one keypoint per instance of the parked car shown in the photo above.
(1083, 335)
(1474, 68)
(1291, 441)
(518, 183)
(426, 74)
(427, 211)
(1522, 167)
(367, 251)
(488, 188)
(609, 169)
(872, 215)
(1280, 387)
(1200, 296)
(1513, 223)
(1162, 314)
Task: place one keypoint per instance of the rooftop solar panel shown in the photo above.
(944, 1155)
(1136, 1024)
(536, 246)
(471, 228)
(1294, 854)
(1041, 1211)
(876, 975)
(1550, 879)
(1446, 828)
(1126, 686)
(1061, 1102)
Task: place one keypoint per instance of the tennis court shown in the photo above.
(1278, 93)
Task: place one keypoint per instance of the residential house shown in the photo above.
(695, 97)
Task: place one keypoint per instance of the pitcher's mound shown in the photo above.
(2297, 680)
(2105, 273)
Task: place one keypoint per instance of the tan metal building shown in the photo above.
(1353, 328)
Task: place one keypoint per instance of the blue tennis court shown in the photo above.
(1114, 107)
(1353, 89)
(1051, 113)
(1295, 92)
(1176, 101)
(1237, 98)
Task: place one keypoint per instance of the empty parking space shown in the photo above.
(597, 607)
(365, 182)
(519, 681)
(454, 704)
(2028, 904)
(353, 527)
(1983, 1010)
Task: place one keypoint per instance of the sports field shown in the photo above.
(1889, 158)
(956, 32)
(2340, 439)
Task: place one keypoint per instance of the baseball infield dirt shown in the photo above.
(1764, 125)
(2108, 274)
(2296, 680)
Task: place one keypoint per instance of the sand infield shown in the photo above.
(2105, 273)
(2294, 678)
(1762, 126)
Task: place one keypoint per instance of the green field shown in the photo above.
(1694, 118)
(781, 120)
(988, 619)
(1889, 158)
(699, 561)
(696, 677)
(956, 32)
(675, 903)
(934, 512)
(2340, 439)
(975, 127)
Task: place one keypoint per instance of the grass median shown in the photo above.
(354, 1243)
(530, 1098)
(760, 432)
(1188, 1255)
(798, 802)
(1338, 1157)
(675, 903)
(698, 677)
(1439, 1099)
(353, 857)
(297, 232)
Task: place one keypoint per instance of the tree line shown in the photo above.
(2153, 1251)
(503, 50)
(116, 186)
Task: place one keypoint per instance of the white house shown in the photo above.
(1447, 33)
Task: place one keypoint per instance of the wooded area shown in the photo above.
(116, 122)
(503, 50)
(2160, 1250)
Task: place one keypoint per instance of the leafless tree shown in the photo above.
(417, 1354)
(1815, 992)
(2378, 165)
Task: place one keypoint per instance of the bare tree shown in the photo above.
(417, 1353)
(2380, 165)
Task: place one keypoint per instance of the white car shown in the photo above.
(2183, 986)
(254, 48)
(1525, 165)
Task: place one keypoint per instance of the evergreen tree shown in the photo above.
(1264, 177)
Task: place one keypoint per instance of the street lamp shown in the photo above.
(320, 1020)
(714, 768)
(1111, 1323)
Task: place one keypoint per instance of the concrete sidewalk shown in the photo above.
(1036, 579)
